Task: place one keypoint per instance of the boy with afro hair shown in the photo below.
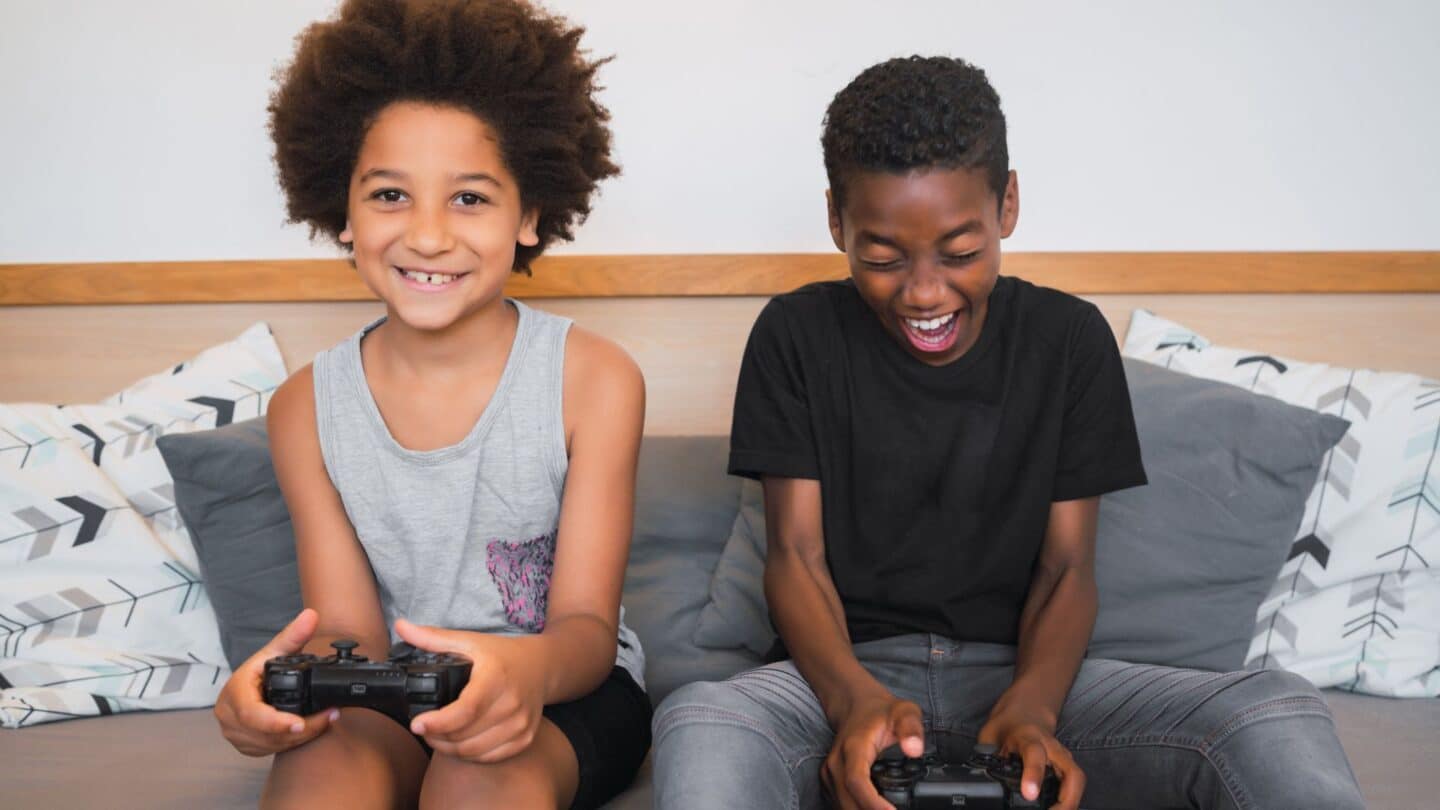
(933, 439)
(461, 472)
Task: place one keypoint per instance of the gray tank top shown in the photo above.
(464, 536)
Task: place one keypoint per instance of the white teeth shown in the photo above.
(932, 324)
(435, 279)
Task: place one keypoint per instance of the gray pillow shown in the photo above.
(1181, 564)
(226, 491)
(735, 615)
(685, 504)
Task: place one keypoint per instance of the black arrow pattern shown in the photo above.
(1311, 545)
(224, 408)
(1261, 362)
(92, 515)
(97, 444)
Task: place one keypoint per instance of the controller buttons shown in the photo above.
(422, 684)
(284, 681)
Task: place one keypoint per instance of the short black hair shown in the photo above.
(912, 113)
(517, 68)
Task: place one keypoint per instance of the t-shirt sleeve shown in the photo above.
(1099, 447)
(771, 432)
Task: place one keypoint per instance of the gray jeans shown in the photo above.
(1146, 736)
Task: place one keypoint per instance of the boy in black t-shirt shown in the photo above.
(933, 440)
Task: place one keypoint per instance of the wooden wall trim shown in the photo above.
(722, 275)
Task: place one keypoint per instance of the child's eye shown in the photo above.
(470, 199)
(388, 195)
(960, 258)
(890, 264)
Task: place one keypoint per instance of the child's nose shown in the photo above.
(925, 288)
(428, 232)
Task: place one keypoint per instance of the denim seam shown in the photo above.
(1095, 705)
(1232, 784)
(1233, 683)
(1178, 692)
(1158, 676)
(1182, 682)
(1170, 741)
(1259, 711)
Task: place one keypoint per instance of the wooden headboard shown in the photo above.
(77, 333)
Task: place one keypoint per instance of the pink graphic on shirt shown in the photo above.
(521, 572)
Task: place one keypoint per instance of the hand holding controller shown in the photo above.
(400, 688)
(985, 780)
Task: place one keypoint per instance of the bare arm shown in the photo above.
(1055, 627)
(807, 610)
(335, 580)
(1059, 610)
(802, 596)
(604, 416)
(335, 575)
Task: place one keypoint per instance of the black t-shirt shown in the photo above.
(936, 482)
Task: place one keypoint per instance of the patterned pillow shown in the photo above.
(101, 608)
(1357, 603)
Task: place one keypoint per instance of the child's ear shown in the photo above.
(346, 237)
(529, 234)
(837, 230)
(1010, 206)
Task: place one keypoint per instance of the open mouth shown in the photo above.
(933, 334)
(429, 281)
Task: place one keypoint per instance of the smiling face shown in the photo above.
(924, 250)
(434, 215)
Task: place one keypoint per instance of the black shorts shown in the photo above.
(610, 732)
(609, 729)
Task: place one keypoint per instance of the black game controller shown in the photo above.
(400, 688)
(985, 780)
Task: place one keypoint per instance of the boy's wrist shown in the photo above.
(1022, 701)
(840, 697)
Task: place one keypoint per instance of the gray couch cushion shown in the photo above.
(685, 505)
(736, 617)
(225, 489)
(1182, 563)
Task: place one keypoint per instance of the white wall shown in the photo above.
(135, 130)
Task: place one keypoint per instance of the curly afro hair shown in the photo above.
(517, 68)
(913, 113)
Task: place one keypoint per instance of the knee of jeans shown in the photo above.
(704, 702)
(1271, 695)
(1278, 687)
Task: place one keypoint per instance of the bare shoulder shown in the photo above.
(597, 365)
(291, 412)
(603, 382)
